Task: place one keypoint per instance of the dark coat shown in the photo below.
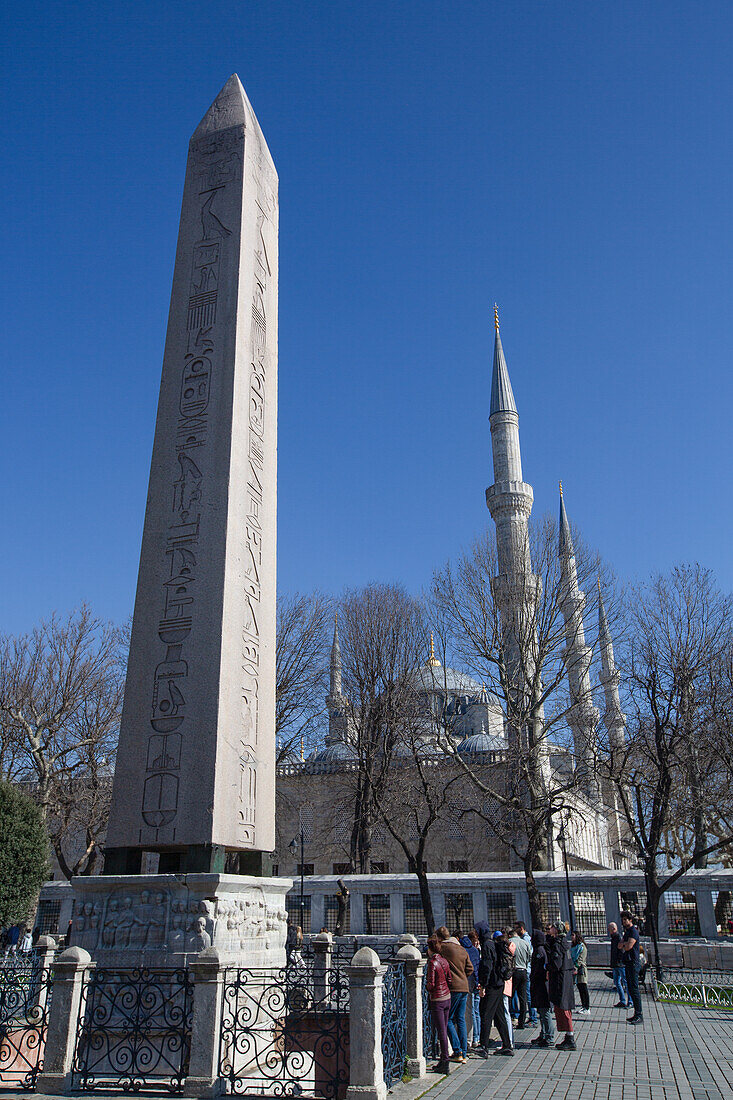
(560, 972)
(475, 956)
(538, 972)
(488, 972)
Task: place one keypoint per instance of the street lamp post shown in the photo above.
(561, 842)
(294, 849)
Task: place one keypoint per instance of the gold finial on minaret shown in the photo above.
(433, 662)
(302, 747)
(496, 318)
(560, 484)
(598, 578)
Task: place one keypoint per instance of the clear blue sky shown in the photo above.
(571, 160)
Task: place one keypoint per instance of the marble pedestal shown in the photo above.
(126, 921)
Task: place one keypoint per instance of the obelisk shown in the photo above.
(195, 774)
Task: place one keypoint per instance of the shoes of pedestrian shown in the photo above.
(567, 1044)
(456, 1057)
(508, 1052)
(635, 1020)
(543, 1044)
(519, 1027)
(441, 1067)
(608, 973)
(620, 1004)
(481, 1052)
(535, 1042)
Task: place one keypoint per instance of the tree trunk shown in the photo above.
(653, 897)
(533, 894)
(425, 899)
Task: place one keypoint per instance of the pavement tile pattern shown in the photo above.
(680, 1053)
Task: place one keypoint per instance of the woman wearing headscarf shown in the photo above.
(538, 990)
(560, 983)
(579, 954)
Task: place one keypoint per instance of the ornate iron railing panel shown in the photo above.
(25, 997)
(394, 1022)
(430, 1044)
(134, 1030)
(692, 992)
(286, 1032)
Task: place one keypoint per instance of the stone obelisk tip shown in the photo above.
(228, 109)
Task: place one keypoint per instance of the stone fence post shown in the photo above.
(208, 984)
(366, 1075)
(45, 951)
(322, 952)
(414, 967)
(70, 970)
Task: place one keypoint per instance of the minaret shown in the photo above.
(583, 715)
(614, 718)
(509, 501)
(336, 701)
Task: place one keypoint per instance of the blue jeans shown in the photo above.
(532, 1011)
(619, 980)
(547, 1023)
(475, 1006)
(457, 1023)
(508, 1015)
(632, 981)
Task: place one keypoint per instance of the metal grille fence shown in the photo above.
(394, 1022)
(459, 911)
(501, 909)
(705, 989)
(590, 913)
(292, 908)
(376, 914)
(682, 914)
(134, 1030)
(430, 1044)
(285, 1032)
(25, 997)
(414, 920)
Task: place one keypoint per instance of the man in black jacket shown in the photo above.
(491, 987)
(560, 983)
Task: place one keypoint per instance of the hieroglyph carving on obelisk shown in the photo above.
(196, 760)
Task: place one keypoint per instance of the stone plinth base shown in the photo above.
(166, 920)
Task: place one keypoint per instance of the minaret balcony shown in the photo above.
(509, 497)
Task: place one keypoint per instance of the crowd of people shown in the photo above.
(514, 980)
(17, 939)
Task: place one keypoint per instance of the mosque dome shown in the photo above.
(335, 752)
(480, 743)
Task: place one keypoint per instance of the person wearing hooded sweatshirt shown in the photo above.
(538, 990)
(472, 946)
(560, 983)
(491, 990)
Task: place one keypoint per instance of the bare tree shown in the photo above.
(61, 693)
(303, 623)
(514, 634)
(673, 776)
(383, 641)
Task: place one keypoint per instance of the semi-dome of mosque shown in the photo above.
(481, 742)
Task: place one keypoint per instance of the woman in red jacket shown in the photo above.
(437, 981)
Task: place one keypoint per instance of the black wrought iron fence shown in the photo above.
(285, 1032)
(430, 1044)
(25, 998)
(394, 1022)
(134, 1030)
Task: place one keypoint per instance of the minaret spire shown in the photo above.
(582, 716)
(509, 500)
(336, 701)
(614, 718)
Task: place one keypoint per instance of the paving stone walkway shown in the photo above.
(679, 1054)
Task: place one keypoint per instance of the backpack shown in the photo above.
(505, 961)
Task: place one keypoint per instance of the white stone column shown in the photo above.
(524, 913)
(208, 985)
(438, 897)
(356, 902)
(396, 913)
(322, 952)
(480, 908)
(318, 911)
(45, 950)
(663, 919)
(706, 914)
(69, 974)
(366, 1075)
(611, 905)
(414, 967)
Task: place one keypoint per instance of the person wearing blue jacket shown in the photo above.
(471, 944)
